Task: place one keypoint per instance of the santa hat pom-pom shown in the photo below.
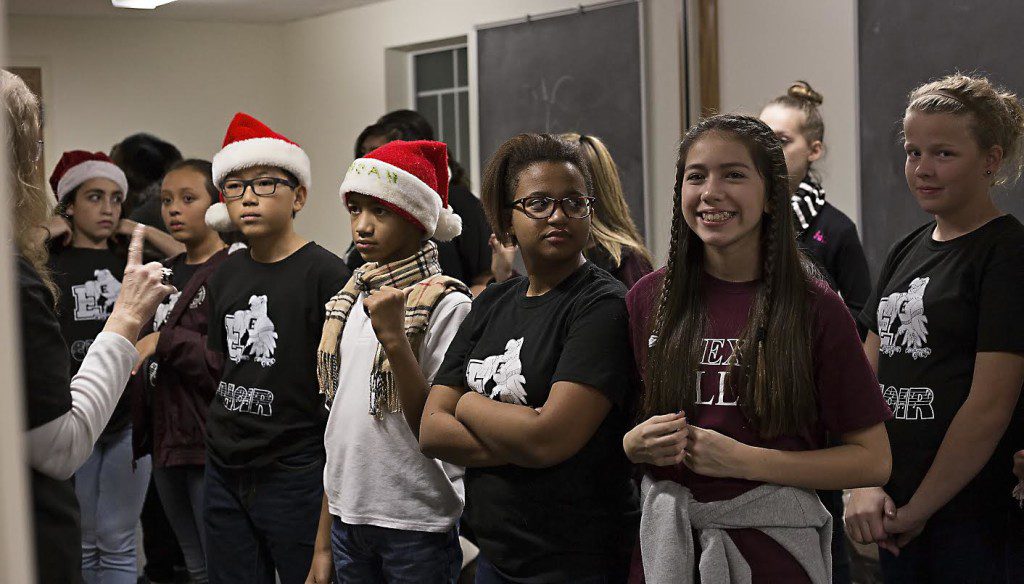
(217, 217)
(449, 225)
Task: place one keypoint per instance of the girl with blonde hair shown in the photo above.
(64, 416)
(946, 338)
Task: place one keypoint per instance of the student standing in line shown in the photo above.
(88, 271)
(946, 324)
(468, 256)
(616, 245)
(64, 416)
(748, 362)
(826, 234)
(172, 392)
(265, 427)
(532, 394)
(390, 513)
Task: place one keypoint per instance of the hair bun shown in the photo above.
(802, 90)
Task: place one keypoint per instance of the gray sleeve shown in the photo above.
(58, 447)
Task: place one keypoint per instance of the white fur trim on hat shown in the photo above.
(78, 174)
(217, 217)
(389, 183)
(261, 152)
(449, 225)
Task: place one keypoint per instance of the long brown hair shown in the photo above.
(30, 205)
(773, 373)
(613, 228)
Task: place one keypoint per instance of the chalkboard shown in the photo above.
(904, 44)
(579, 71)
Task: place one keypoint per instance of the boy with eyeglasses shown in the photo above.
(265, 427)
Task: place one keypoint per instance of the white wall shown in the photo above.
(104, 79)
(336, 63)
(17, 542)
(765, 46)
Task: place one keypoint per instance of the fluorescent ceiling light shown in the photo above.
(140, 4)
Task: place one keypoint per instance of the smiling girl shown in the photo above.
(946, 337)
(748, 361)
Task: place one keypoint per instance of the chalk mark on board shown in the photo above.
(548, 99)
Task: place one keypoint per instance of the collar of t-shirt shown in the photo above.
(557, 292)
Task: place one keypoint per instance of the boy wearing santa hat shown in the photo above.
(390, 513)
(264, 471)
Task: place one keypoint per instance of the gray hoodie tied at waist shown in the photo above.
(793, 517)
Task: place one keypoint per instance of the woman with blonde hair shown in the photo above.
(64, 416)
(616, 245)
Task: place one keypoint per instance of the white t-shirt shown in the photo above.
(375, 473)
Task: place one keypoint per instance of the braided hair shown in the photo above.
(773, 370)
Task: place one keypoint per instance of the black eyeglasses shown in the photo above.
(264, 186)
(574, 207)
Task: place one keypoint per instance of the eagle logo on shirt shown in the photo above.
(904, 312)
(251, 334)
(163, 310)
(500, 377)
(94, 299)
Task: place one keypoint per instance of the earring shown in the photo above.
(988, 172)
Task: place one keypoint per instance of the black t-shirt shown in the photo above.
(182, 272)
(464, 257)
(89, 281)
(831, 241)
(267, 320)
(579, 517)
(937, 304)
(47, 391)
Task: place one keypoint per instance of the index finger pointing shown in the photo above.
(135, 247)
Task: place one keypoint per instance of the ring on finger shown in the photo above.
(165, 276)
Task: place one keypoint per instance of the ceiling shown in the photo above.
(255, 11)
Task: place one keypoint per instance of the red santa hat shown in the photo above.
(248, 143)
(77, 166)
(411, 178)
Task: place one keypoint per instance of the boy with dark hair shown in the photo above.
(389, 512)
(265, 427)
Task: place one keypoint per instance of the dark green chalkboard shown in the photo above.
(903, 43)
(578, 71)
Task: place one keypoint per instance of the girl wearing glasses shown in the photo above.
(615, 243)
(532, 392)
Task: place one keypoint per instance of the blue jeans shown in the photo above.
(181, 493)
(110, 494)
(486, 574)
(954, 550)
(263, 520)
(369, 554)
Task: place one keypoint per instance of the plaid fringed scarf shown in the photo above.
(421, 271)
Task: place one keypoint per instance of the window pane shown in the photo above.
(427, 107)
(463, 154)
(447, 129)
(434, 71)
(460, 55)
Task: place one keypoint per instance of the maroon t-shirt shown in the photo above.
(846, 387)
